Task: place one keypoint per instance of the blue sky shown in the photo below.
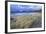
(24, 8)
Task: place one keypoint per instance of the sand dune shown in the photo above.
(24, 21)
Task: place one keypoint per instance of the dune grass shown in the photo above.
(20, 22)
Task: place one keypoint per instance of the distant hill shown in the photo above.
(26, 11)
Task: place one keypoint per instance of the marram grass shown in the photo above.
(20, 22)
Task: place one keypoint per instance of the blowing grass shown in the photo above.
(20, 22)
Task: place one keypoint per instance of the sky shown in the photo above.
(15, 8)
